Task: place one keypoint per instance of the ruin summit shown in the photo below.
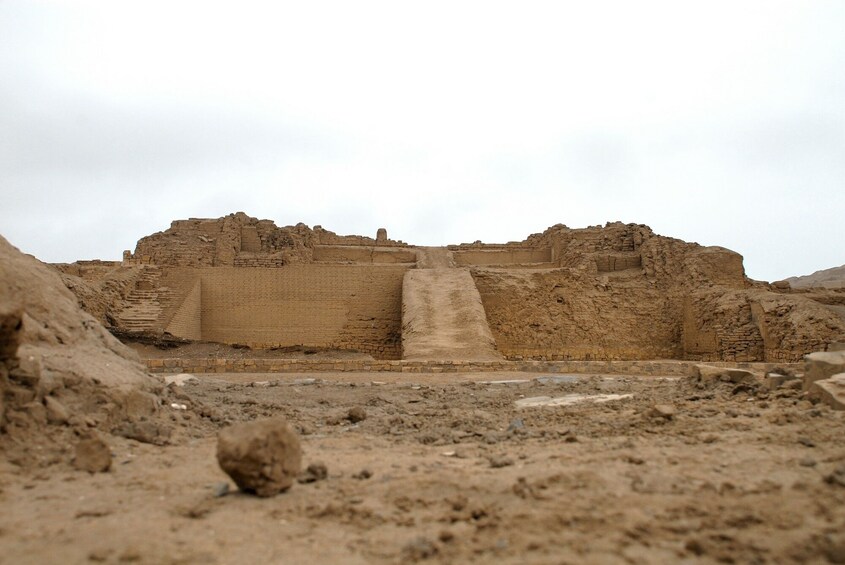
(618, 292)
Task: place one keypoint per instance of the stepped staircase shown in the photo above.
(145, 304)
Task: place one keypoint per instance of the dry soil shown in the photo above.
(448, 469)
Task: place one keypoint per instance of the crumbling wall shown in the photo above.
(565, 314)
(222, 241)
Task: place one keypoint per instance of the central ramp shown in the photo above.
(443, 318)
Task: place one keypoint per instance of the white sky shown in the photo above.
(445, 122)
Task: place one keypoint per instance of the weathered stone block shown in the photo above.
(821, 365)
(831, 391)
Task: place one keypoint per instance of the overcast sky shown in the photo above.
(445, 122)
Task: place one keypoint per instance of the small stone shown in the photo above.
(356, 414)
(498, 461)
(262, 457)
(313, 473)
(418, 550)
(363, 474)
(220, 489)
(806, 442)
(180, 380)
(145, 431)
(516, 425)
(837, 477)
(56, 411)
(664, 411)
(92, 455)
(807, 462)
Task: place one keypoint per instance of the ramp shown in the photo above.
(443, 318)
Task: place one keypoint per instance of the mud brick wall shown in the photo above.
(617, 262)
(362, 254)
(502, 256)
(187, 321)
(352, 307)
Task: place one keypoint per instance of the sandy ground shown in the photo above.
(447, 469)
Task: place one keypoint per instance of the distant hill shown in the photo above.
(828, 278)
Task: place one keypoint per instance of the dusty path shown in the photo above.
(442, 314)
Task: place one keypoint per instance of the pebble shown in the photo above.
(516, 424)
(806, 442)
(664, 411)
(313, 473)
(498, 461)
(418, 549)
(220, 489)
(92, 455)
(363, 474)
(356, 414)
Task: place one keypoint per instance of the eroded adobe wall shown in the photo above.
(329, 306)
(242, 241)
(623, 292)
(756, 325)
(235, 239)
(563, 314)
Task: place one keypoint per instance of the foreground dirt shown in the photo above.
(448, 469)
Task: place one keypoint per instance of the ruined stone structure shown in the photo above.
(617, 292)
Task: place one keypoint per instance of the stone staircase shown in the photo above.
(145, 304)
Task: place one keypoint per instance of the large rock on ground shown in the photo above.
(263, 457)
(821, 365)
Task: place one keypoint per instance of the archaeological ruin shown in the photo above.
(613, 292)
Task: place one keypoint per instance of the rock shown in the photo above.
(821, 365)
(517, 424)
(181, 379)
(777, 380)
(568, 400)
(363, 474)
(145, 431)
(92, 455)
(137, 404)
(661, 411)
(831, 391)
(220, 489)
(419, 549)
(709, 375)
(262, 457)
(56, 411)
(356, 414)
(498, 461)
(836, 477)
(313, 473)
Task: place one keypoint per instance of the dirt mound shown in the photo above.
(62, 375)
